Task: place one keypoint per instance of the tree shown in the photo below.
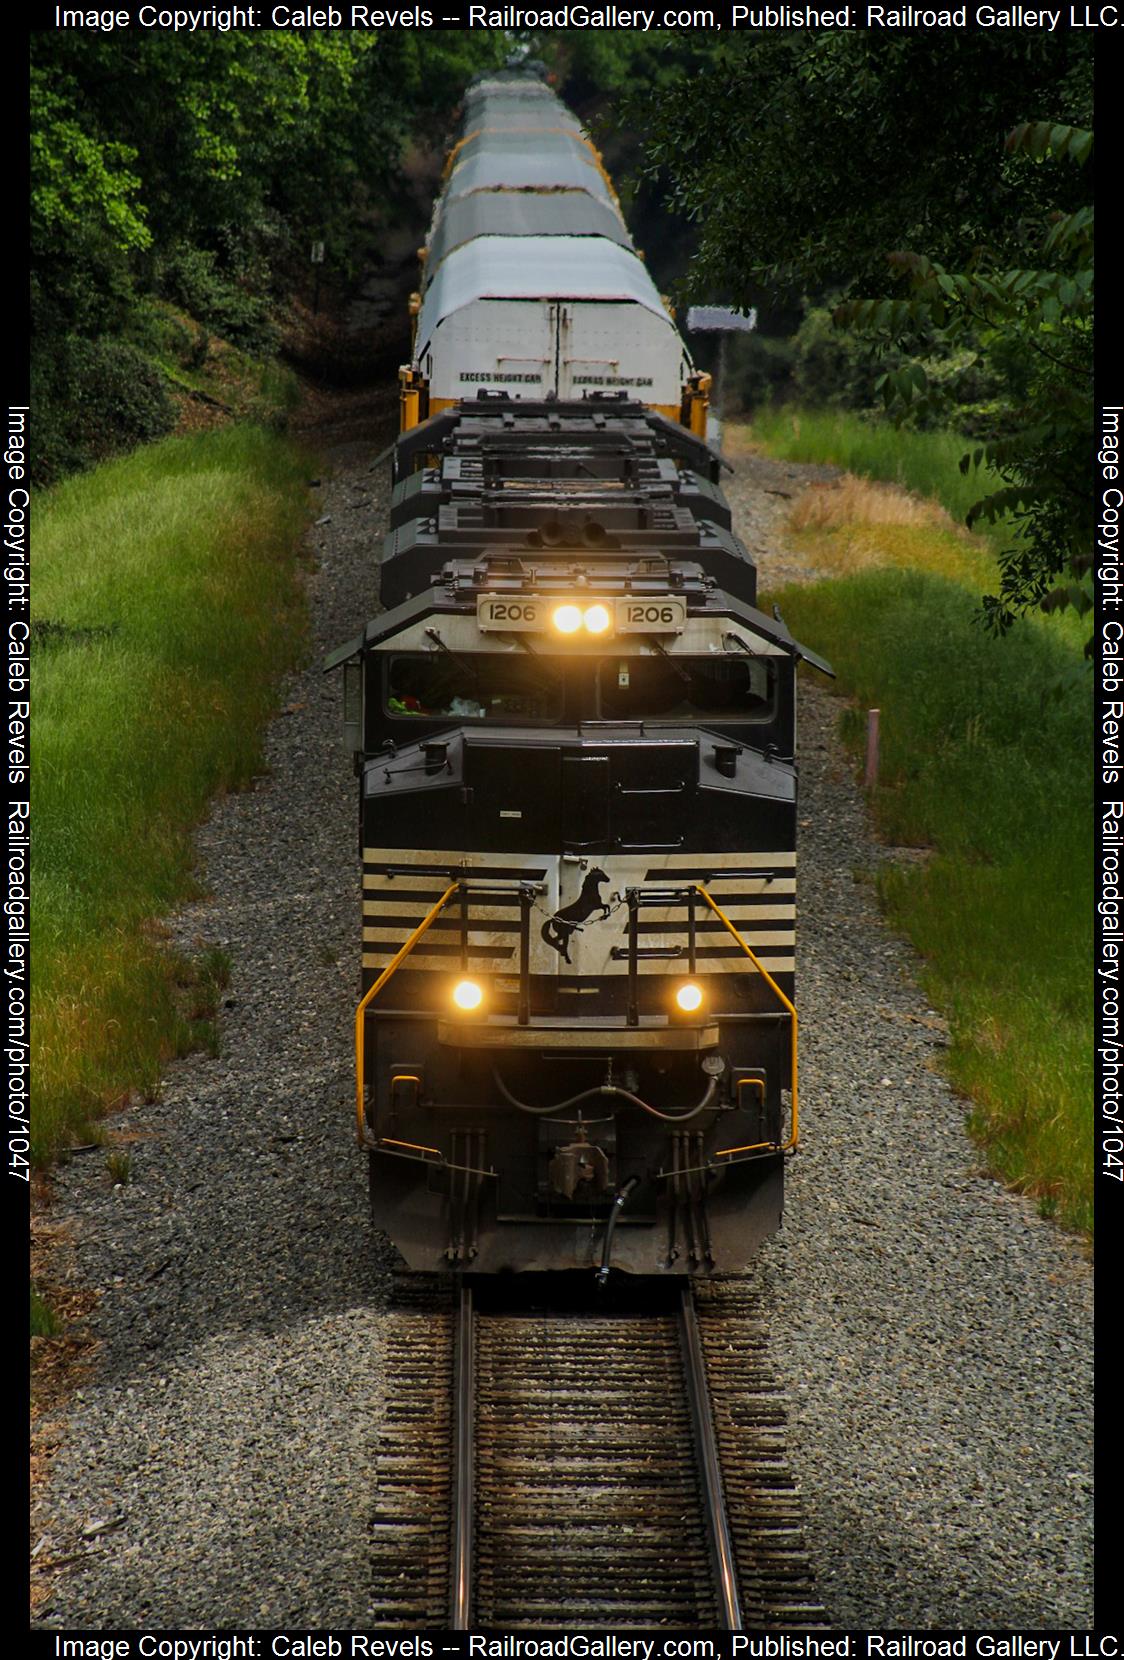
(225, 141)
(86, 217)
(197, 167)
(807, 157)
(848, 161)
(1037, 320)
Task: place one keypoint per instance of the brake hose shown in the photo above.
(619, 1203)
(609, 1089)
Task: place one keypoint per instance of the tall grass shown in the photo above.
(925, 462)
(984, 760)
(166, 605)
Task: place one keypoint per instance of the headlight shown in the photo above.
(689, 997)
(586, 616)
(467, 995)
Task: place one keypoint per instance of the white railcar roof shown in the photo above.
(526, 118)
(534, 111)
(519, 169)
(516, 90)
(548, 140)
(521, 213)
(534, 267)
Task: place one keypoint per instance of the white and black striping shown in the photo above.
(757, 891)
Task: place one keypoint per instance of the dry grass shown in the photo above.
(850, 502)
(856, 524)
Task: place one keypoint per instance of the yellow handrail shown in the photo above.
(768, 978)
(373, 992)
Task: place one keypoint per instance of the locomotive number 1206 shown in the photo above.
(510, 613)
(651, 616)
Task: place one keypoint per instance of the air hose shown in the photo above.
(610, 1089)
(618, 1205)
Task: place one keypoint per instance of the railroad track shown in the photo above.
(553, 1464)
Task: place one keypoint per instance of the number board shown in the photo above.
(661, 614)
(492, 613)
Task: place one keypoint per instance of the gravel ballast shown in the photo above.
(934, 1335)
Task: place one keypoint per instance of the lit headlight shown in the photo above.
(597, 619)
(467, 995)
(689, 997)
(567, 619)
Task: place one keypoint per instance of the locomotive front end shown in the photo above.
(578, 820)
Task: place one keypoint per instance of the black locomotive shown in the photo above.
(575, 737)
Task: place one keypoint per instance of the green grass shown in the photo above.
(925, 462)
(984, 761)
(44, 1320)
(985, 748)
(119, 1168)
(166, 605)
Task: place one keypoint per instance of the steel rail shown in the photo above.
(464, 1462)
(710, 1469)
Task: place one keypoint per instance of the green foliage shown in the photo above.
(758, 370)
(231, 145)
(86, 221)
(850, 161)
(836, 367)
(198, 166)
(234, 302)
(925, 462)
(119, 1167)
(44, 1320)
(833, 368)
(1040, 320)
(806, 157)
(591, 65)
(94, 397)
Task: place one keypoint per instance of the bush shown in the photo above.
(95, 398)
(757, 370)
(836, 369)
(234, 302)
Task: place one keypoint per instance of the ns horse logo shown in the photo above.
(557, 929)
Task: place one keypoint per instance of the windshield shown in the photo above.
(505, 687)
(687, 688)
(476, 686)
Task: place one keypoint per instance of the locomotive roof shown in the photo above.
(497, 421)
(522, 213)
(536, 267)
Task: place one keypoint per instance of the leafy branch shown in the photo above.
(1038, 319)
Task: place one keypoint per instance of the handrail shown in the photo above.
(768, 978)
(390, 969)
(404, 951)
